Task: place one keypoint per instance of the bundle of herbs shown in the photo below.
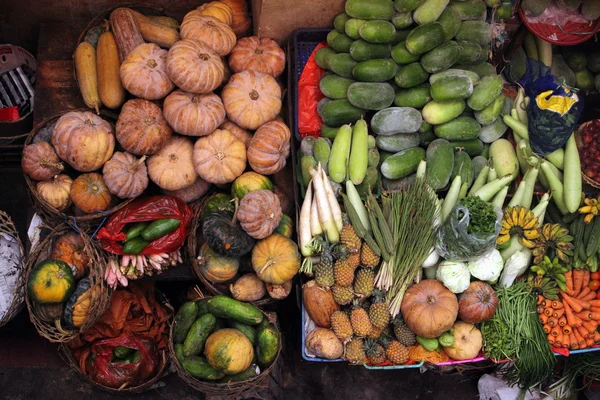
(577, 366)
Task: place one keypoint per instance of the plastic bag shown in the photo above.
(309, 95)
(148, 209)
(455, 243)
(99, 367)
(554, 109)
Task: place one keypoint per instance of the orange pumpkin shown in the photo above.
(241, 23)
(216, 34)
(70, 249)
(125, 175)
(90, 194)
(40, 161)
(144, 72)
(261, 55)
(141, 128)
(172, 167)
(194, 67)
(219, 157)
(191, 193)
(193, 114)
(84, 140)
(276, 259)
(238, 132)
(56, 192)
(259, 213)
(218, 10)
(251, 99)
(478, 303)
(269, 148)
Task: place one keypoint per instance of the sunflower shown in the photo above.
(554, 241)
(520, 222)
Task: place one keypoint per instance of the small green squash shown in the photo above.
(225, 236)
(285, 227)
(229, 350)
(51, 281)
(217, 202)
(248, 182)
(216, 268)
(79, 305)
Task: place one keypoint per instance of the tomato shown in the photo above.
(598, 295)
(594, 285)
(595, 276)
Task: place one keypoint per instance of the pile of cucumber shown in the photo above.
(421, 65)
(139, 235)
(125, 355)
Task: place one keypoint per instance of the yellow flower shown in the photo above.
(520, 222)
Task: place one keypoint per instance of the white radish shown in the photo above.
(304, 223)
(325, 214)
(315, 225)
(332, 200)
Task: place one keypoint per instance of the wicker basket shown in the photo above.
(7, 227)
(231, 390)
(578, 133)
(49, 214)
(54, 332)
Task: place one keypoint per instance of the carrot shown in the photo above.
(555, 331)
(590, 296)
(595, 316)
(552, 322)
(562, 321)
(595, 309)
(539, 309)
(557, 304)
(584, 292)
(575, 305)
(569, 283)
(544, 303)
(543, 319)
(550, 339)
(573, 342)
(590, 325)
(596, 336)
(558, 313)
(567, 330)
(586, 278)
(585, 315)
(547, 328)
(577, 281)
(584, 333)
(539, 299)
(570, 316)
(589, 342)
(548, 311)
(595, 303)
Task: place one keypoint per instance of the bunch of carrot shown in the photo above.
(573, 322)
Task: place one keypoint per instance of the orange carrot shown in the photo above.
(596, 336)
(590, 325)
(573, 342)
(569, 283)
(589, 342)
(577, 281)
(547, 328)
(558, 313)
(586, 278)
(552, 322)
(580, 338)
(555, 331)
(584, 333)
(558, 340)
(539, 309)
(584, 292)
(562, 321)
(590, 296)
(550, 339)
(595, 309)
(570, 316)
(548, 311)
(557, 304)
(567, 330)
(595, 303)
(595, 316)
(545, 303)
(540, 299)
(543, 319)
(575, 305)
(585, 315)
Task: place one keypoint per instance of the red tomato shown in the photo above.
(598, 295)
(594, 285)
(595, 276)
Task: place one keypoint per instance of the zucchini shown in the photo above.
(410, 76)
(371, 95)
(225, 307)
(334, 86)
(323, 102)
(415, 97)
(342, 64)
(379, 70)
(329, 132)
(342, 43)
(398, 142)
(460, 128)
(340, 112)
(402, 163)
(362, 50)
(183, 321)
(377, 31)
(402, 56)
(396, 120)
(441, 58)
(452, 88)
(331, 37)
(197, 335)
(440, 163)
(370, 9)
(439, 112)
(425, 38)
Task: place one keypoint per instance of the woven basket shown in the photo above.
(578, 133)
(231, 390)
(7, 227)
(49, 214)
(100, 301)
(194, 242)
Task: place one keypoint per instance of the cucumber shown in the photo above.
(199, 368)
(486, 91)
(440, 163)
(402, 56)
(462, 167)
(183, 321)
(370, 9)
(441, 58)
(439, 112)
(136, 230)
(492, 132)
(460, 128)
(369, 182)
(377, 31)
(469, 52)
(331, 36)
(179, 353)
(452, 88)
(122, 352)
(135, 245)
(427, 137)
(342, 64)
(429, 11)
(484, 55)
(197, 335)
(379, 70)
(371, 95)
(247, 330)
(472, 147)
(453, 72)
(352, 27)
(323, 102)
(373, 158)
(481, 69)
(342, 43)
(329, 131)
(160, 228)
(410, 76)
(425, 38)
(359, 152)
(415, 97)
(407, 5)
(246, 374)
(470, 10)
(477, 31)
(450, 21)
(267, 345)
(322, 57)
(396, 120)
(402, 163)
(402, 20)
(401, 35)
(225, 307)
(201, 307)
(426, 127)
(371, 141)
(340, 112)
(334, 86)
(489, 114)
(362, 51)
(339, 22)
(398, 142)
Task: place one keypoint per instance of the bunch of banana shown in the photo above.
(590, 209)
(552, 269)
(543, 285)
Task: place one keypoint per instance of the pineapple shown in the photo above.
(339, 251)
(404, 335)
(355, 352)
(364, 282)
(374, 351)
(350, 239)
(375, 332)
(368, 258)
(360, 320)
(379, 313)
(324, 270)
(343, 272)
(342, 295)
(354, 260)
(341, 326)
(395, 352)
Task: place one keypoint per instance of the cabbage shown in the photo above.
(514, 267)
(454, 275)
(487, 267)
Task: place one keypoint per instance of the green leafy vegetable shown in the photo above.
(482, 216)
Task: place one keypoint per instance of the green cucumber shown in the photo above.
(370, 9)
(425, 38)
(342, 43)
(371, 95)
(396, 120)
(460, 128)
(373, 158)
(179, 353)
(334, 86)
(469, 52)
(492, 132)
(439, 112)
(342, 64)
(401, 35)
(463, 167)
(199, 368)
(402, 56)
(481, 69)
(331, 37)
(452, 88)
(429, 11)
(225, 307)
(160, 228)
(122, 352)
(379, 70)
(415, 97)
(427, 137)
(470, 10)
(135, 245)
(453, 72)
(489, 114)
(322, 57)
(352, 27)
(306, 163)
(339, 154)
(184, 319)
(369, 182)
(441, 58)
(246, 374)
(247, 330)
(450, 21)
(323, 102)
(339, 22)
(411, 75)
(407, 5)
(329, 131)
(377, 31)
(362, 50)
(136, 230)
(398, 142)
(440, 163)
(267, 345)
(321, 150)
(402, 20)
(340, 112)
(426, 127)
(197, 335)
(472, 147)
(485, 92)
(477, 31)
(402, 163)
(484, 55)
(201, 307)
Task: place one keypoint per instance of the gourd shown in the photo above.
(276, 259)
(285, 227)
(110, 89)
(241, 23)
(87, 75)
(429, 309)
(478, 303)
(56, 192)
(141, 128)
(70, 248)
(259, 213)
(126, 30)
(219, 157)
(269, 148)
(217, 202)
(218, 10)
(84, 140)
(191, 193)
(40, 161)
(79, 304)
(194, 67)
(144, 72)
(261, 55)
(172, 168)
(251, 99)
(193, 114)
(240, 133)
(224, 235)
(50, 281)
(319, 303)
(216, 268)
(154, 32)
(248, 182)
(209, 30)
(467, 342)
(279, 292)
(90, 194)
(248, 288)
(48, 312)
(229, 351)
(125, 175)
